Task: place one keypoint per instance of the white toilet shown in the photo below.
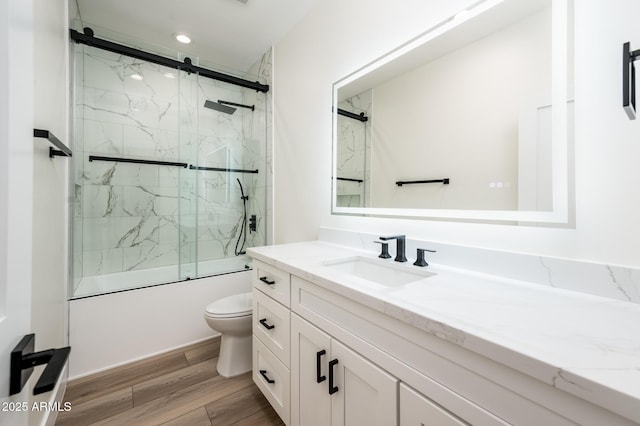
(231, 316)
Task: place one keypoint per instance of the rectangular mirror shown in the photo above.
(472, 120)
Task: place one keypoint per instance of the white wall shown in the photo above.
(34, 92)
(49, 306)
(50, 175)
(16, 183)
(338, 37)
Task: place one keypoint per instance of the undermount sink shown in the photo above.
(378, 271)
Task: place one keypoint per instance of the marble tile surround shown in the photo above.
(354, 141)
(614, 282)
(131, 216)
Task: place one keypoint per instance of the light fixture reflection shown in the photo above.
(183, 38)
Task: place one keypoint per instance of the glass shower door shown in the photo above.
(230, 169)
(166, 188)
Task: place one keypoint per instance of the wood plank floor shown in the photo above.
(178, 388)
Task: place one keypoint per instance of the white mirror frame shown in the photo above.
(559, 98)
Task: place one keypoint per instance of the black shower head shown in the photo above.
(219, 107)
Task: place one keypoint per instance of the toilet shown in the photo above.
(231, 316)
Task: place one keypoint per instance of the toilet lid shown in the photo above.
(231, 306)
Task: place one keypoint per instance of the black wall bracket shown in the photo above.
(23, 359)
(629, 79)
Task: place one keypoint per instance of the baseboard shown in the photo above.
(92, 375)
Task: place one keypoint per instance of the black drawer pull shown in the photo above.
(267, 281)
(263, 373)
(319, 377)
(263, 321)
(332, 389)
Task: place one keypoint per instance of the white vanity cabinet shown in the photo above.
(326, 376)
(312, 378)
(271, 336)
(322, 357)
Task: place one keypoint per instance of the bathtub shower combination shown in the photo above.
(169, 172)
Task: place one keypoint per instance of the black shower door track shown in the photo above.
(88, 38)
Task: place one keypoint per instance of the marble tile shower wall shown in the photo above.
(354, 145)
(257, 127)
(136, 216)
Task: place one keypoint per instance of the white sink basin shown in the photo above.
(379, 271)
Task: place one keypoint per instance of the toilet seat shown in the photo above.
(237, 305)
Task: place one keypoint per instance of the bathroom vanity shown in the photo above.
(342, 337)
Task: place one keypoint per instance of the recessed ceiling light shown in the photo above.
(183, 38)
(136, 76)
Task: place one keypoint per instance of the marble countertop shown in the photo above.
(585, 345)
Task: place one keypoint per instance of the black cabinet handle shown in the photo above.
(332, 389)
(263, 321)
(263, 373)
(267, 281)
(319, 377)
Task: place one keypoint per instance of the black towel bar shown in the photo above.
(62, 151)
(23, 359)
(222, 169)
(136, 161)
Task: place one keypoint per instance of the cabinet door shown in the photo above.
(417, 410)
(310, 400)
(365, 394)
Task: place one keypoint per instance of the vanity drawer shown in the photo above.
(272, 378)
(271, 324)
(416, 409)
(273, 282)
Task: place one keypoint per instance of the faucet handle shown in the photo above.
(385, 250)
(393, 237)
(420, 261)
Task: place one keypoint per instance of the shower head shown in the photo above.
(219, 107)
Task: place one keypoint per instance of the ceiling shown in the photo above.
(230, 33)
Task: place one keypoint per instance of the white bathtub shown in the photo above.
(128, 280)
(112, 329)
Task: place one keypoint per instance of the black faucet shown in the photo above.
(400, 244)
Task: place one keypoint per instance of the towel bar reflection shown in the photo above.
(360, 117)
(350, 179)
(629, 79)
(444, 181)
